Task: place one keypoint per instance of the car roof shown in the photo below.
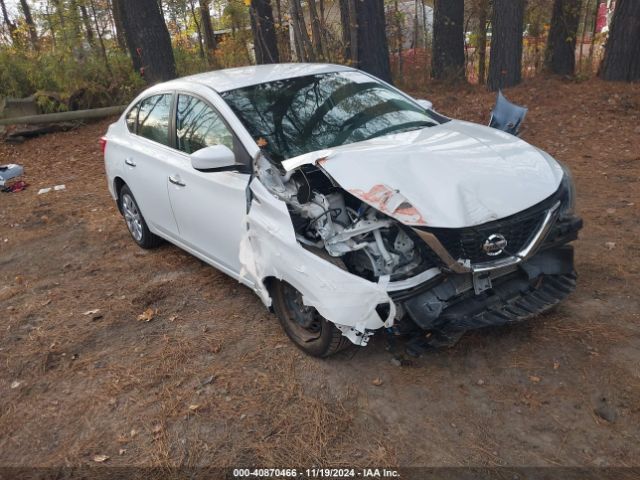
(232, 78)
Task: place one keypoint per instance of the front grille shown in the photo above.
(518, 230)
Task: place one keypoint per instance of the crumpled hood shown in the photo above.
(454, 175)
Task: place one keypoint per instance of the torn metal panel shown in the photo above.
(391, 202)
(270, 249)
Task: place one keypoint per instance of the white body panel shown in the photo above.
(231, 78)
(209, 210)
(457, 174)
(148, 166)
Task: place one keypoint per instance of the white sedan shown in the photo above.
(346, 205)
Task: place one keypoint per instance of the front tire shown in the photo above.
(135, 221)
(312, 333)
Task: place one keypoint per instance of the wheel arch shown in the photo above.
(269, 283)
(118, 183)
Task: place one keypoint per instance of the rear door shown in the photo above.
(150, 161)
(209, 207)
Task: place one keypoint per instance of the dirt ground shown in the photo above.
(212, 378)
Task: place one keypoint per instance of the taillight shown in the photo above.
(103, 144)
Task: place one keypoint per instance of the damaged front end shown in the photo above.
(368, 260)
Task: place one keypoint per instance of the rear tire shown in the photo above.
(311, 333)
(135, 221)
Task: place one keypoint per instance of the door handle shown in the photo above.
(176, 181)
(130, 162)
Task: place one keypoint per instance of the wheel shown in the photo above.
(304, 325)
(135, 221)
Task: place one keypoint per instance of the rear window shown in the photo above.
(154, 117)
(132, 118)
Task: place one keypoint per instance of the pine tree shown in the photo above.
(560, 56)
(622, 53)
(447, 60)
(148, 39)
(505, 63)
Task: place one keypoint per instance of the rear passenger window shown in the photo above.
(153, 118)
(199, 126)
(132, 118)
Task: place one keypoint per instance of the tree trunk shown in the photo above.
(447, 61)
(87, 24)
(10, 25)
(594, 32)
(622, 54)
(398, 28)
(416, 26)
(316, 30)
(265, 42)
(373, 50)
(483, 7)
(300, 34)
(585, 18)
(345, 23)
(99, 32)
(192, 7)
(58, 7)
(28, 19)
(505, 63)
(74, 16)
(117, 21)
(207, 29)
(560, 56)
(52, 29)
(148, 40)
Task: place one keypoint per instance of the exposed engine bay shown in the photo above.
(356, 236)
(426, 291)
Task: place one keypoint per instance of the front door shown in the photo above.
(209, 208)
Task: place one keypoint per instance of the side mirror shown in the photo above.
(217, 158)
(426, 104)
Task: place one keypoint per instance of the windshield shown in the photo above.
(294, 116)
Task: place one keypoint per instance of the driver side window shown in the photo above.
(199, 126)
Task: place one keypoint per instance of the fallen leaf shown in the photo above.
(122, 451)
(556, 365)
(173, 318)
(133, 432)
(194, 407)
(91, 312)
(262, 142)
(147, 315)
(157, 429)
(15, 384)
(534, 378)
(610, 245)
(377, 382)
(100, 458)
